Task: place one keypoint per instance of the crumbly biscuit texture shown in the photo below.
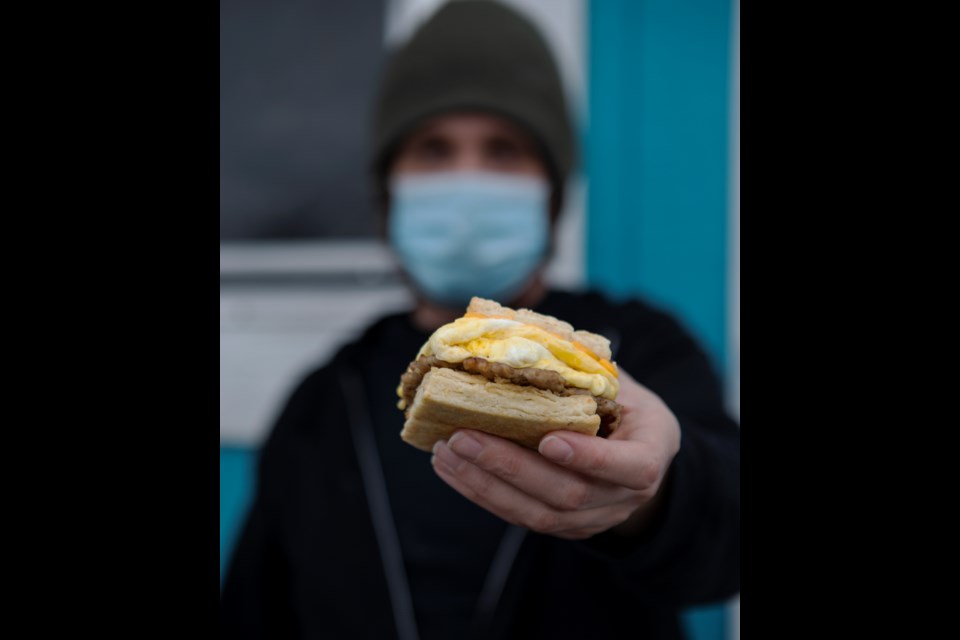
(450, 399)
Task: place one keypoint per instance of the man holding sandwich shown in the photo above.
(354, 533)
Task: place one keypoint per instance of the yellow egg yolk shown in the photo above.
(521, 345)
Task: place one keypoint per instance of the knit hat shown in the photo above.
(476, 54)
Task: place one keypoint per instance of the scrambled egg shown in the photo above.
(522, 345)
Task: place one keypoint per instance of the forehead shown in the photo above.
(470, 125)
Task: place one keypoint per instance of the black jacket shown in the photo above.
(350, 533)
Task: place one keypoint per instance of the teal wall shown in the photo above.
(237, 473)
(656, 158)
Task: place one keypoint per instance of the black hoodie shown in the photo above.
(352, 535)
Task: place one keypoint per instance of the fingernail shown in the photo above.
(448, 459)
(465, 446)
(556, 449)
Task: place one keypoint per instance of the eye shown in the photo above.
(503, 150)
(432, 149)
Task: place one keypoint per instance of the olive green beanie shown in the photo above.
(476, 54)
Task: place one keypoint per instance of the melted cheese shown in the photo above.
(521, 345)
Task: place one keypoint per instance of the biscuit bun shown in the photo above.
(517, 374)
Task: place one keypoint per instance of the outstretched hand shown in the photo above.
(577, 485)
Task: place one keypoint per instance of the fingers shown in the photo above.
(530, 473)
(517, 507)
(575, 485)
(635, 456)
(622, 463)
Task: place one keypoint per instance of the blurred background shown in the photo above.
(654, 86)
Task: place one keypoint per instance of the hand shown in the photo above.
(576, 485)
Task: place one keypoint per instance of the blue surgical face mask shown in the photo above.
(469, 234)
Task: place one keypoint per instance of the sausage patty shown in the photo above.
(608, 410)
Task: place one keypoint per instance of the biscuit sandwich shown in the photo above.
(517, 374)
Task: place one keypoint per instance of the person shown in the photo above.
(353, 533)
